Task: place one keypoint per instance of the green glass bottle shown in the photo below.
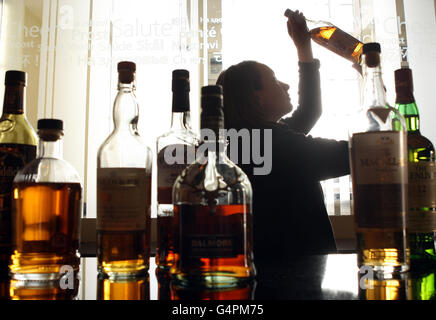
(421, 215)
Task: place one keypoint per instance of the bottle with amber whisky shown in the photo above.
(17, 148)
(334, 39)
(421, 216)
(175, 150)
(124, 188)
(212, 210)
(378, 156)
(46, 207)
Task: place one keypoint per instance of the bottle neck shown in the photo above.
(14, 98)
(50, 144)
(126, 110)
(411, 114)
(180, 121)
(374, 92)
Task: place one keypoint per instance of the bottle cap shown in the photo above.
(403, 82)
(370, 47)
(180, 80)
(15, 77)
(50, 124)
(126, 71)
(212, 102)
(180, 88)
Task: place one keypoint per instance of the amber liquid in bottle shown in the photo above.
(211, 241)
(126, 251)
(338, 41)
(46, 235)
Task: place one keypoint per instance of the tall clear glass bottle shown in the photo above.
(175, 150)
(378, 156)
(421, 216)
(124, 165)
(334, 39)
(212, 210)
(47, 208)
(17, 148)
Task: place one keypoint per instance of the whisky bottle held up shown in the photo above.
(124, 166)
(421, 214)
(17, 148)
(212, 210)
(47, 208)
(175, 150)
(378, 156)
(334, 39)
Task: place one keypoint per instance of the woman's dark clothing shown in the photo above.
(289, 213)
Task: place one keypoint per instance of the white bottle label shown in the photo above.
(123, 199)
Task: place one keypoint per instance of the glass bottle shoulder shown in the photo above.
(224, 181)
(179, 136)
(420, 148)
(52, 170)
(15, 128)
(124, 149)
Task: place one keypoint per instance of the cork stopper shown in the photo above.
(403, 79)
(372, 51)
(212, 114)
(288, 13)
(126, 71)
(15, 77)
(50, 129)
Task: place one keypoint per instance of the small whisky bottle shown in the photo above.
(421, 215)
(47, 207)
(124, 188)
(212, 210)
(175, 150)
(378, 155)
(17, 148)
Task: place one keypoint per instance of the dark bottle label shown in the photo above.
(13, 157)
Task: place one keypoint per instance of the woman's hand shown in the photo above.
(299, 33)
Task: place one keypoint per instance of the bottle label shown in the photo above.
(211, 246)
(379, 170)
(422, 184)
(123, 199)
(171, 161)
(343, 42)
(380, 157)
(13, 157)
(421, 216)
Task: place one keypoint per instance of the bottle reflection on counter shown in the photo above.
(123, 288)
(44, 290)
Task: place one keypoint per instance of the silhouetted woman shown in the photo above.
(289, 213)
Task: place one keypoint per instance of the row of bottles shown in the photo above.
(392, 168)
(204, 222)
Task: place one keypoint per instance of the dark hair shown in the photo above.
(241, 107)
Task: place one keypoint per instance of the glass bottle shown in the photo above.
(17, 148)
(334, 39)
(378, 156)
(421, 216)
(175, 150)
(212, 210)
(47, 207)
(124, 187)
